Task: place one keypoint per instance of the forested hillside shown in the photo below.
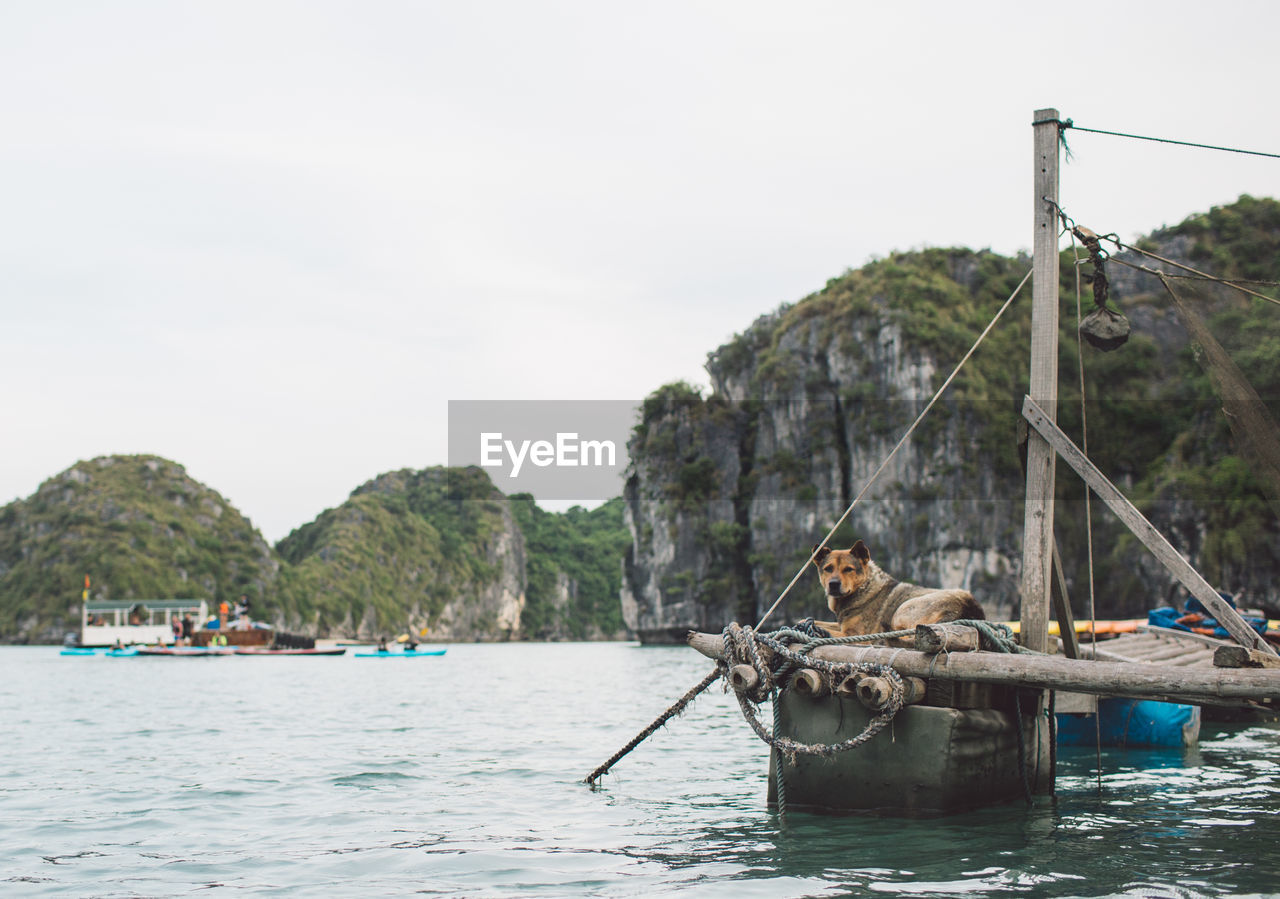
(438, 549)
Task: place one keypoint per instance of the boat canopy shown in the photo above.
(103, 622)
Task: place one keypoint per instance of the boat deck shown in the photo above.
(1157, 645)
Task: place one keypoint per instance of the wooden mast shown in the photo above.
(1037, 553)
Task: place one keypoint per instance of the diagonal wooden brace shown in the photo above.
(1143, 529)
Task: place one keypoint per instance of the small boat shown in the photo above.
(1128, 722)
(1124, 722)
(403, 654)
(134, 621)
(112, 652)
(341, 650)
(182, 651)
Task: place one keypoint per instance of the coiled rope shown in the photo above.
(742, 646)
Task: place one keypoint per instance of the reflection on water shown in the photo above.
(461, 775)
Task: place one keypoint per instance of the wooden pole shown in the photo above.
(1140, 680)
(808, 682)
(1062, 608)
(947, 638)
(1037, 545)
(1144, 530)
(1037, 553)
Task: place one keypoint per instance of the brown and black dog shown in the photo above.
(865, 600)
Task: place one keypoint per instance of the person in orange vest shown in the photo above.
(223, 610)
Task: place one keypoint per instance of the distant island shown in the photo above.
(437, 549)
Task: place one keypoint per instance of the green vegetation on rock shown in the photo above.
(438, 548)
(574, 569)
(811, 397)
(140, 527)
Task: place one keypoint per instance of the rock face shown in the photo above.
(436, 549)
(728, 494)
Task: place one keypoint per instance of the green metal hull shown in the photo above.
(927, 761)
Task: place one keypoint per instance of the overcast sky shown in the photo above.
(272, 240)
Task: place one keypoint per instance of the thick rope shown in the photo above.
(675, 709)
(741, 645)
(779, 777)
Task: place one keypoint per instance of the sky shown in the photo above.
(271, 241)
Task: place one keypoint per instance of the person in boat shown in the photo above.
(411, 645)
(176, 626)
(382, 644)
(242, 613)
(119, 644)
(188, 629)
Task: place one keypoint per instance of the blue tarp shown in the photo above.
(1168, 617)
(1132, 722)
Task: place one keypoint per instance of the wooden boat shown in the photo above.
(182, 652)
(336, 651)
(961, 753)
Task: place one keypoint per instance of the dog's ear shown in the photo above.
(820, 553)
(860, 552)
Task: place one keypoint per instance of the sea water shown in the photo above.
(462, 775)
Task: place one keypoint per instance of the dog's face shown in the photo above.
(842, 571)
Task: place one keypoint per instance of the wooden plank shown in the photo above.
(1144, 530)
(1137, 645)
(1038, 520)
(946, 638)
(1200, 686)
(1166, 654)
(1243, 657)
(1168, 633)
(1112, 655)
(1062, 608)
(1066, 703)
(1183, 660)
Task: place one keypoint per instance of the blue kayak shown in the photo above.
(97, 650)
(403, 654)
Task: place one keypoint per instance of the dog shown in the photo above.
(865, 600)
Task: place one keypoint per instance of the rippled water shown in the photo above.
(462, 776)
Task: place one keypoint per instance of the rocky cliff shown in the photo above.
(435, 549)
(727, 494)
